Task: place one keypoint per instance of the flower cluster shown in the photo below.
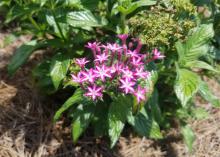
(115, 68)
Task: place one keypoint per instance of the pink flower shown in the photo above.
(102, 72)
(94, 47)
(123, 37)
(81, 62)
(127, 85)
(78, 78)
(89, 76)
(101, 58)
(94, 92)
(157, 54)
(140, 73)
(140, 94)
(128, 74)
(133, 53)
(137, 61)
(113, 47)
(117, 67)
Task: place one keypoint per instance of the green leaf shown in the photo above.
(83, 19)
(82, 118)
(199, 113)
(57, 20)
(142, 3)
(100, 122)
(77, 97)
(150, 82)
(180, 50)
(21, 55)
(145, 125)
(20, 11)
(205, 92)
(58, 68)
(188, 136)
(199, 64)
(196, 45)
(155, 108)
(117, 115)
(186, 85)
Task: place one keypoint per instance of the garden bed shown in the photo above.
(26, 127)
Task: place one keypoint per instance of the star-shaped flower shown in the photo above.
(127, 85)
(140, 94)
(81, 62)
(128, 74)
(140, 73)
(101, 58)
(102, 72)
(132, 53)
(157, 54)
(89, 76)
(123, 37)
(77, 78)
(113, 47)
(137, 61)
(117, 67)
(94, 92)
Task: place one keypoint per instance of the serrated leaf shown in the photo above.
(205, 92)
(58, 68)
(188, 136)
(117, 115)
(83, 19)
(21, 55)
(186, 85)
(199, 64)
(145, 125)
(81, 120)
(77, 97)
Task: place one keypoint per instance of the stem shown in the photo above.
(58, 26)
(34, 23)
(123, 22)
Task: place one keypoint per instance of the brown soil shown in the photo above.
(26, 128)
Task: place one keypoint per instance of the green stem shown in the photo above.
(34, 23)
(58, 26)
(123, 22)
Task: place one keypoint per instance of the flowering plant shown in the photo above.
(116, 69)
(120, 72)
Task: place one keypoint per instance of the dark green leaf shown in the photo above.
(101, 119)
(118, 111)
(145, 125)
(186, 85)
(58, 68)
(21, 55)
(188, 136)
(155, 108)
(82, 118)
(83, 19)
(77, 97)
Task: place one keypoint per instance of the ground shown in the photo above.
(26, 128)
